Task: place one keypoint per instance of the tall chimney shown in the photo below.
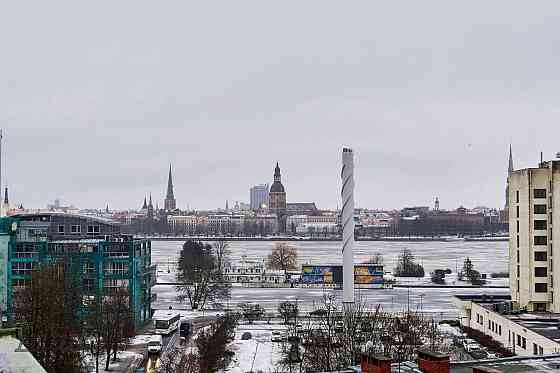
(348, 224)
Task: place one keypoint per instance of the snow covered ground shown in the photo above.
(258, 353)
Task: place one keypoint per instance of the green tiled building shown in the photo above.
(98, 254)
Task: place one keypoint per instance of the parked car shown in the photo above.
(277, 337)
(470, 345)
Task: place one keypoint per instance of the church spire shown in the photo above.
(145, 205)
(6, 196)
(510, 166)
(170, 185)
(170, 203)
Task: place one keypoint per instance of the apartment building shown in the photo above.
(534, 224)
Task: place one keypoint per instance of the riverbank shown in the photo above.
(323, 239)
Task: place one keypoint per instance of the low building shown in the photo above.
(301, 208)
(251, 271)
(14, 357)
(99, 255)
(523, 333)
(183, 223)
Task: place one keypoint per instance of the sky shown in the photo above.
(98, 98)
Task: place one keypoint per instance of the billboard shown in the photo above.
(317, 274)
(367, 274)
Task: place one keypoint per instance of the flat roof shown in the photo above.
(165, 314)
(512, 365)
(546, 324)
(15, 358)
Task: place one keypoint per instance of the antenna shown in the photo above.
(541, 157)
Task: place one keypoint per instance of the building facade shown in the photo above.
(534, 239)
(99, 256)
(277, 199)
(258, 196)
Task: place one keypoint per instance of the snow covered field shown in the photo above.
(487, 257)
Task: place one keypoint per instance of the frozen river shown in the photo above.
(487, 257)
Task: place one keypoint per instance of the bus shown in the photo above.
(166, 322)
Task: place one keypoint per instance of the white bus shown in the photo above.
(166, 322)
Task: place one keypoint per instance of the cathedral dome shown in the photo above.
(277, 188)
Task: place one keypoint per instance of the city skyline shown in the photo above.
(429, 109)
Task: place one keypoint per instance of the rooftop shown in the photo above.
(546, 324)
(14, 358)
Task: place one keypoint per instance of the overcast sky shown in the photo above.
(97, 98)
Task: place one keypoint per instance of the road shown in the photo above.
(171, 340)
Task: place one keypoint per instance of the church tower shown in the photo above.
(170, 204)
(150, 208)
(277, 198)
(5, 202)
(436, 204)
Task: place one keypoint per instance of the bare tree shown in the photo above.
(47, 308)
(198, 275)
(283, 257)
(221, 251)
(376, 258)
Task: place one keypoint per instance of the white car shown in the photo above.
(155, 344)
(470, 344)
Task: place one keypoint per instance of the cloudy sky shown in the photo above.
(97, 99)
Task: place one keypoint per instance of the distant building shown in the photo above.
(301, 208)
(98, 253)
(170, 204)
(258, 196)
(183, 223)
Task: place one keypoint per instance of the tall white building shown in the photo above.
(259, 196)
(534, 243)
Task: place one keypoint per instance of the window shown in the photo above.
(540, 256)
(481, 320)
(91, 229)
(539, 307)
(499, 330)
(535, 349)
(517, 212)
(540, 271)
(518, 241)
(516, 196)
(541, 351)
(517, 226)
(76, 229)
(61, 229)
(540, 240)
(541, 288)
(517, 256)
(539, 209)
(518, 271)
(539, 193)
(519, 340)
(539, 224)
(524, 343)
(518, 286)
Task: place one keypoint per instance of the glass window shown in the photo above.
(540, 240)
(541, 288)
(516, 196)
(539, 224)
(61, 229)
(540, 271)
(539, 193)
(540, 256)
(539, 209)
(76, 229)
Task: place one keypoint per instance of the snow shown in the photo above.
(487, 257)
(256, 354)
(139, 340)
(123, 360)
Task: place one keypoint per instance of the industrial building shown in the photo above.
(99, 255)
